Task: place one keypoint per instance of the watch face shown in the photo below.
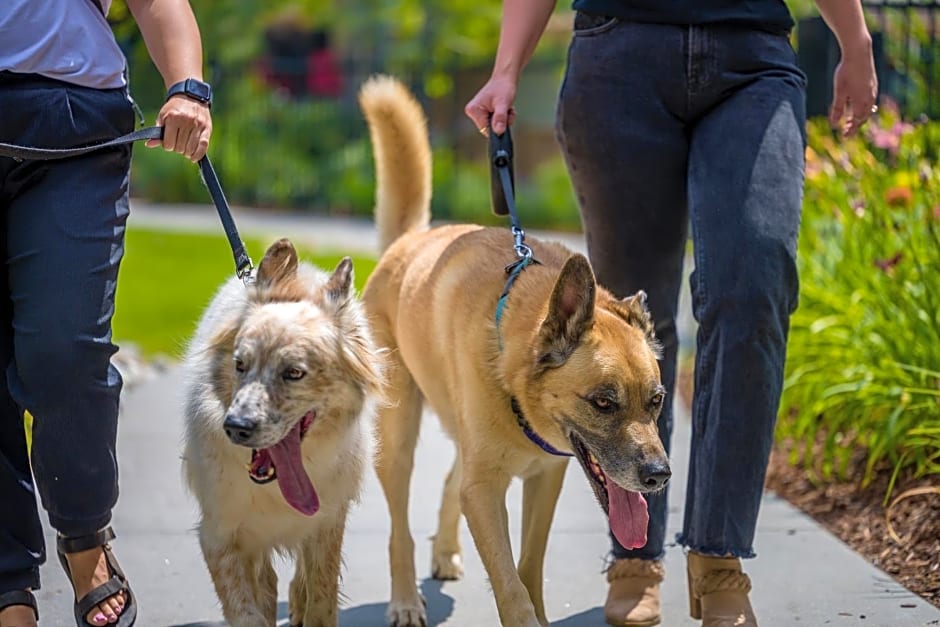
(199, 90)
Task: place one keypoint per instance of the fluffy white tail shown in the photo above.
(399, 133)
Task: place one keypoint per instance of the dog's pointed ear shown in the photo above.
(279, 264)
(339, 285)
(570, 312)
(633, 309)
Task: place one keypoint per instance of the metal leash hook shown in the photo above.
(502, 190)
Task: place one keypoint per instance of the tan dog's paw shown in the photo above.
(446, 566)
(402, 614)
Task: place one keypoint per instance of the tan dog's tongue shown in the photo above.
(628, 515)
(295, 485)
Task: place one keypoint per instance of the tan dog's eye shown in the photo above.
(603, 404)
(239, 365)
(658, 399)
(294, 374)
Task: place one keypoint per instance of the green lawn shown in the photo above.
(167, 278)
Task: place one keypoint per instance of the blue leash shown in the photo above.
(243, 264)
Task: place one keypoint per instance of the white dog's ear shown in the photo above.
(279, 264)
(570, 312)
(340, 283)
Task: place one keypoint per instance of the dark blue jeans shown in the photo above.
(665, 125)
(62, 239)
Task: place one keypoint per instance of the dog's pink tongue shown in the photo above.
(628, 515)
(291, 477)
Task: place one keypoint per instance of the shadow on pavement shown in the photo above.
(591, 617)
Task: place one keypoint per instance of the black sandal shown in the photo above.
(19, 597)
(116, 584)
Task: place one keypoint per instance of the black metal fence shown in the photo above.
(904, 38)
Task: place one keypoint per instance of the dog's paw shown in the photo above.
(401, 614)
(446, 566)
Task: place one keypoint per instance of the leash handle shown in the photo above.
(502, 187)
(243, 265)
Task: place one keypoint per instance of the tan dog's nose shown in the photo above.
(654, 475)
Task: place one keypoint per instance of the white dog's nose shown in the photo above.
(239, 429)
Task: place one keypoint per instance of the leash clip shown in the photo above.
(522, 249)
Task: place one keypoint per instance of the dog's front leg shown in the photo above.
(539, 497)
(244, 581)
(321, 555)
(483, 501)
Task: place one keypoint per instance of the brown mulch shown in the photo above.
(856, 515)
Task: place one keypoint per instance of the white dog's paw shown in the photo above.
(402, 614)
(446, 566)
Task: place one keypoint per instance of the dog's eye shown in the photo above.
(604, 404)
(239, 365)
(658, 399)
(294, 374)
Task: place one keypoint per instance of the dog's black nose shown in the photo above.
(239, 430)
(655, 475)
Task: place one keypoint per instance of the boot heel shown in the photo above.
(695, 603)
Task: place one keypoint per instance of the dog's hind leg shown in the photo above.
(539, 497)
(244, 581)
(320, 559)
(397, 427)
(446, 562)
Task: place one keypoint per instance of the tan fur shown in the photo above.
(403, 130)
(294, 315)
(432, 302)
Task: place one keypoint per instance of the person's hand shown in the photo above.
(855, 90)
(493, 105)
(187, 126)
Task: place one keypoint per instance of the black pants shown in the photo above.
(62, 240)
(662, 125)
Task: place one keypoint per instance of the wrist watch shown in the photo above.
(192, 88)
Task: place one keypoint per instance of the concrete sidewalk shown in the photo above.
(803, 576)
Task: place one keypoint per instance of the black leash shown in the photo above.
(243, 265)
(502, 187)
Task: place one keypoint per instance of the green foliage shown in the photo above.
(863, 366)
(167, 278)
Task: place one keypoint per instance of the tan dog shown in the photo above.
(580, 365)
(281, 380)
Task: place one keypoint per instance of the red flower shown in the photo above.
(899, 196)
(887, 265)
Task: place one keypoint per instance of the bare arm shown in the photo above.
(522, 26)
(172, 36)
(855, 85)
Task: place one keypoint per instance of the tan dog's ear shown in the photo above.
(340, 282)
(570, 312)
(633, 309)
(278, 265)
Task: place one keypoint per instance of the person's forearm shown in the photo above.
(522, 27)
(172, 37)
(847, 22)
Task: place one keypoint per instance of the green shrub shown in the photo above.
(863, 368)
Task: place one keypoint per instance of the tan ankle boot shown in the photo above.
(718, 592)
(633, 596)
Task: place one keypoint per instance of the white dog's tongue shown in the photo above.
(628, 515)
(291, 477)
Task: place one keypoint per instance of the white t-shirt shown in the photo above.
(68, 40)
